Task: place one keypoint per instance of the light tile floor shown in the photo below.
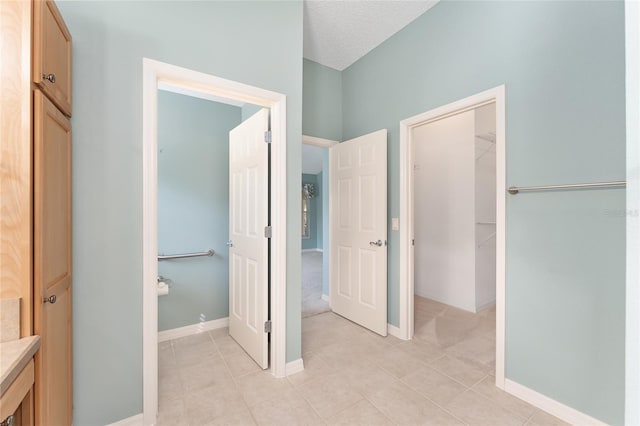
(352, 377)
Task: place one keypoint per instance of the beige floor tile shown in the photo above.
(396, 362)
(477, 348)
(166, 358)
(434, 385)
(169, 387)
(240, 363)
(474, 409)
(541, 418)
(341, 355)
(226, 345)
(360, 414)
(488, 389)
(404, 406)
(193, 340)
(204, 375)
(219, 333)
(458, 370)
(443, 331)
(422, 350)
(261, 386)
(242, 417)
(192, 350)
(366, 378)
(314, 367)
(323, 321)
(172, 413)
(205, 405)
(289, 409)
(329, 395)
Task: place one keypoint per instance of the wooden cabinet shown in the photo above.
(52, 54)
(17, 401)
(35, 193)
(52, 261)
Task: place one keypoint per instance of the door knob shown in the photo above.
(229, 243)
(51, 299)
(376, 243)
(50, 77)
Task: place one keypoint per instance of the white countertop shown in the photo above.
(14, 356)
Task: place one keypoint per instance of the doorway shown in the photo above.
(408, 191)
(314, 210)
(181, 80)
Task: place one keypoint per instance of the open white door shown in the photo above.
(248, 247)
(358, 203)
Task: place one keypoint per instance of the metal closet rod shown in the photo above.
(516, 189)
(182, 256)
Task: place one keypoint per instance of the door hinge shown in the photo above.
(413, 242)
(267, 231)
(267, 136)
(267, 326)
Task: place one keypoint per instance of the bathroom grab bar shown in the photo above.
(516, 189)
(184, 255)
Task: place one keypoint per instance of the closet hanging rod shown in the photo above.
(516, 189)
(182, 256)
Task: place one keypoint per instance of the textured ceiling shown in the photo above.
(339, 32)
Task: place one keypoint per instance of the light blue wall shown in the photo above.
(563, 66)
(193, 207)
(322, 101)
(312, 241)
(249, 109)
(257, 43)
(319, 214)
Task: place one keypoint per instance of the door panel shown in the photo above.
(52, 262)
(248, 255)
(358, 266)
(52, 54)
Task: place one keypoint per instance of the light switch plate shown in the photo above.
(394, 224)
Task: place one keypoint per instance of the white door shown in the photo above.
(358, 203)
(248, 251)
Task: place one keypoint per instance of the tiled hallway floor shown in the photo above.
(352, 377)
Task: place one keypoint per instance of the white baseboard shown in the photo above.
(489, 304)
(129, 421)
(312, 249)
(294, 367)
(551, 406)
(394, 331)
(326, 298)
(189, 330)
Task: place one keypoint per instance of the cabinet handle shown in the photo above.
(50, 77)
(8, 421)
(51, 299)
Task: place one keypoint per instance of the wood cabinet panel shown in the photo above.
(15, 156)
(52, 262)
(52, 54)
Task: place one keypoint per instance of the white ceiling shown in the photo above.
(339, 32)
(312, 159)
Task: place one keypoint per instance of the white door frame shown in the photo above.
(496, 95)
(632, 64)
(153, 74)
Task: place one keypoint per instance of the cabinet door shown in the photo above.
(52, 54)
(52, 262)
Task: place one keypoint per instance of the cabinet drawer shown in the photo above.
(52, 54)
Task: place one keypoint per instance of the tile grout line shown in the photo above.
(235, 383)
(442, 407)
